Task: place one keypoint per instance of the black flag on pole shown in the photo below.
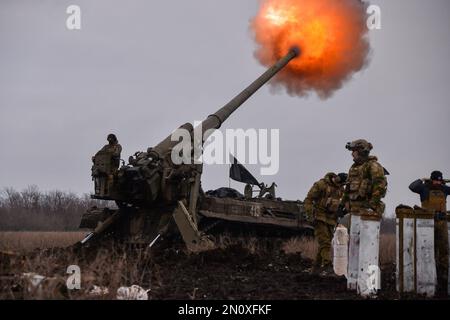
(239, 173)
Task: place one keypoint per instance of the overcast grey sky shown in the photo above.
(142, 68)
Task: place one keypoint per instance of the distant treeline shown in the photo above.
(33, 210)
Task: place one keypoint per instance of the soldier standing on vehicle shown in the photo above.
(114, 148)
(433, 195)
(106, 163)
(322, 205)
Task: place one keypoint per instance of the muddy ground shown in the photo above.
(235, 273)
(170, 272)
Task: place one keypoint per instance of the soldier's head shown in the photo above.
(360, 149)
(436, 177)
(112, 139)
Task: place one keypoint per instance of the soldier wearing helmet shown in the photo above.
(322, 206)
(366, 186)
(433, 195)
(106, 163)
(114, 148)
(367, 183)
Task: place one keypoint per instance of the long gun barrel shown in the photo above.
(215, 120)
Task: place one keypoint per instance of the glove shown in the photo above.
(440, 216)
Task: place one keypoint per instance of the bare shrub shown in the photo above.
(32, 209)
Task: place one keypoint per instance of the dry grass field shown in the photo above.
(307, 247)
(28, 241)
(251, 268)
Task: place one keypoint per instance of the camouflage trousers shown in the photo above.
(323, 232)
(441, 253)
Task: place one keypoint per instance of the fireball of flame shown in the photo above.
(332, 37)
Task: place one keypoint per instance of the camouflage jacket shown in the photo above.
(366, 186)
(322, 201)
(114, 149)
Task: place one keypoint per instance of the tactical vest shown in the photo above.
(437, 200)
(114, 153)
(360, 181)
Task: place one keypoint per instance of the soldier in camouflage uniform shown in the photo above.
(366, 186)
(367, 183)
(321, 205)
(106, 163)
(433, 195)
(114, 148)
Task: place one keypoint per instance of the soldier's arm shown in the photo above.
(103, 149)
(313, 196)
(447, 190)
(117, 151)
(416, 186)
(379, 183)
(345, 201)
